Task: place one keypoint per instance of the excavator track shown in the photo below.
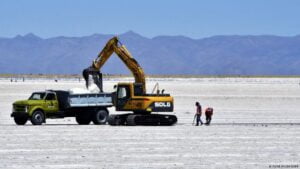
(117, 119)
(142, 120)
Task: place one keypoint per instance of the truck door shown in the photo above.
(123, 95)
(51, 103)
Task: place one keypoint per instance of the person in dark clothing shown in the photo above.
(198, 114)
(208, 115)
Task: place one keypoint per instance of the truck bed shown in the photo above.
(84, 100)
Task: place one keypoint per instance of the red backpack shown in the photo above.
(209, 111)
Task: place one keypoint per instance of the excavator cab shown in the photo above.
(126, 96)
(122, 97)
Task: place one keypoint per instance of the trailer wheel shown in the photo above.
(20, 120)
(83, 118)
(37, 117)
(100, 117)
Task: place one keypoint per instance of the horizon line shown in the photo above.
(138, 34)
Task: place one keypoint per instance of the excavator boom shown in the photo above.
(114, 46)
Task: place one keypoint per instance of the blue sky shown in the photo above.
(192, 18)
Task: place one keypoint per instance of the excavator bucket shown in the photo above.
(92, 76)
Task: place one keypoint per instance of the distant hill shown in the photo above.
(217, 55)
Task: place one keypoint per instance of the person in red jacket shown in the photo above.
(198, 113)
(208, 114)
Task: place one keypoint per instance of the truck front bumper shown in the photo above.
(19, 114)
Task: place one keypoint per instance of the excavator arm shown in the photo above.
(114, 46)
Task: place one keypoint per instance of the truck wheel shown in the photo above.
(83, 118)
(37, 117)
(100, 117)
(20, 120)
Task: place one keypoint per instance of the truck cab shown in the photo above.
(35, 108)
(48, 100)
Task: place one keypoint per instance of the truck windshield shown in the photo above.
(37, 96)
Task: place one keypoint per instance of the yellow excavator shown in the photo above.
(131, 96)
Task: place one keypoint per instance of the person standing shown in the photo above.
(208, 114)
(198, 114)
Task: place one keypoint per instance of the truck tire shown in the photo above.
(37, 117)
(20, 120)
(100, 117)
(83, 118)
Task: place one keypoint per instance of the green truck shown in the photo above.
(60, 104)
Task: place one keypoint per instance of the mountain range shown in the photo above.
(216, 55)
